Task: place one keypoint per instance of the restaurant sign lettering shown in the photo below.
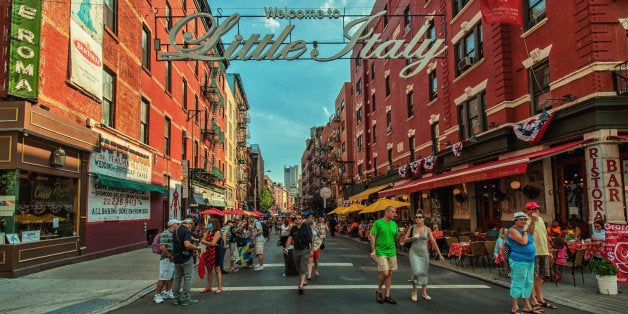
(419, 49)
(24, 45)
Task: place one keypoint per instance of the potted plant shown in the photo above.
(606, 274)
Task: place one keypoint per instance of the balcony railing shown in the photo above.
(620, 78)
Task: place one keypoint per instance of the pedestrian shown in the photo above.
(166, 264)
(333, 222)
(222, 247)
(245, 245)
(418, 234)
(209, 258)
(383, 250)
(183, 262)
(229, 234)
(324, 228)
(302, 236)
(536, 227)
(522, 257)
(258, 236)
(317, 242)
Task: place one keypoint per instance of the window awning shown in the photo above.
(197, 200)
(128, 184)
(364, 195)
(491, 170)
(216, 203)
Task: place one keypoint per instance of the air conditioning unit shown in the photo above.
(90, 123)
(537, 16)
(465, 63)
(185, 134)
(388, 129)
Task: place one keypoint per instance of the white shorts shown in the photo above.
(233, 251)
(166, 269)
(259, 246)
(385, 263)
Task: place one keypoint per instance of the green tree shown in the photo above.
(265, 200)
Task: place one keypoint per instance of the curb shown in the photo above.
(138, 295)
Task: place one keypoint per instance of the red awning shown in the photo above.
(491, 170)
(619, 137)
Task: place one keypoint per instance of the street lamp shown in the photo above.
(255, 200)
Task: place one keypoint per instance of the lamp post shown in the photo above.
(255, 200)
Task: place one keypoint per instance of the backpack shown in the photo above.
(156, 245)
(265, 230)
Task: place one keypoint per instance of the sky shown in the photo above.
(287, 98)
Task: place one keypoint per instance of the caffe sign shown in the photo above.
(419, 49)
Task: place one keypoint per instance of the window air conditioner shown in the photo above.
(537, 16)
(465, 63)
(388, 129)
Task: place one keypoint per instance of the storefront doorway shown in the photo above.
(488, 204)
(572, 196)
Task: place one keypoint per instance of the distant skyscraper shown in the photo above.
(292, 179)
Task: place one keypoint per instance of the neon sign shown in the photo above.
(420, 50)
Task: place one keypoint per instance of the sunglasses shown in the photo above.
(420, 217)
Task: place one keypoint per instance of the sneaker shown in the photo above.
(176, 302)
(167, 295)
(259, 267)
(158, 299)
(188, 302)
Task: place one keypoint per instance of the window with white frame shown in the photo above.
(111, 15)
(410, 104)
(167, 134)
(144, 116)
(540, 86)
(433, 85)
(472, 116)
(534, 11)
(469, 50)
(108, 98)
(145, 47)
(360, 143)
(358, 116)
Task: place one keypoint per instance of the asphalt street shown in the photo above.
(347, 284)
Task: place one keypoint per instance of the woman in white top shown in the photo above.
(322, 226)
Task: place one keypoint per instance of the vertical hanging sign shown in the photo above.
(24, 54)
(86, 28)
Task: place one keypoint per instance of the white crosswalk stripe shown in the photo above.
(319, 265)
(345, 287)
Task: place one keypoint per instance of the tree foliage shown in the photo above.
(265, 200)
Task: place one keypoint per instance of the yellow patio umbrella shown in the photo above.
(336, 210)
(355, 207)
(381, 204)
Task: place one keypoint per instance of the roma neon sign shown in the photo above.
(419, 50)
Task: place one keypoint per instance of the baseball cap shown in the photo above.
(518, 215)
(188, 221)
(532, 205)
(172, 222)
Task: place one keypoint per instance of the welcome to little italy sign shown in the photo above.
(268, 47)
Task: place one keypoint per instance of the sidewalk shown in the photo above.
(584, 296)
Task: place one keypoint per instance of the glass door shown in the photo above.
(489, 211)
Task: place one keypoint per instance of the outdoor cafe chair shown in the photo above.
(464, 238)
(489, 246)
(577, 263)
(477, 249)
(451, 240)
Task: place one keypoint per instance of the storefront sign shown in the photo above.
(24, 54)
(625, 167)
(122, 160)
(86, 27)
(7, 205)
(13, 238)
(30, 236)
(616, 249)
(258, 47)
(107, 203)
(604, 183)
(185, 167)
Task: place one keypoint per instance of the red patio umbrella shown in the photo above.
(234, 212)
(257, 213)
(212, 211)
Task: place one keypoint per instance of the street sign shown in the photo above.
(325, 192)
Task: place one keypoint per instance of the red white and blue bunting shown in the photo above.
(429, 163)
(403, 171)
(532, 131)
(415, 167)
(457, 148)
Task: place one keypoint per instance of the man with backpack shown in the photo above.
(166, 263)
(260, 238)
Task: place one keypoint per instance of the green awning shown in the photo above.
(216, 203)
(128, 184)
(197, 200)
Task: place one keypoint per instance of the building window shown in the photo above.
(435, 133)
(390, 162)
(168, 16)
(360, 145)
(168, 76)
(433, 88)
(411, 147)
(410, 104)
(195, 154)
(344, 147)
(184, 146)
(386, 16)
(374, 133)
(196, 114)
(535, 12)
(539, 86)
(145, 47)
(431, 34)
(372, 71)
(388, 122)
(360, 171)
(358, 87)
(373, 102)
(469, 50)
(167, 131)
(342, 105)
(358, 116)
(111, 15)
(387, 86)
(472, 116)
(144, 115)
(357, 62)
(407, 19)
(342, 126)
(108, 98)
(375, 166)
(184, 6)
(184, 94)
(458, 5)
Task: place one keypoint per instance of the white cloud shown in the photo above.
(270, 24)
(326, 111)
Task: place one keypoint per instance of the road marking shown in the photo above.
(345, 287)
(319, 264)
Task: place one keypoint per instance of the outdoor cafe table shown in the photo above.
(459, 249)
(592, 248)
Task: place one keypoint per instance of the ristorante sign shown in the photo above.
(419, 49)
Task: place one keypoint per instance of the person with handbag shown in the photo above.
(417, 235)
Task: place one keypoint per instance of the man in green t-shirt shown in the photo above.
(384, 252)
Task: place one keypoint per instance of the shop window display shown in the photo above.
(44, 206)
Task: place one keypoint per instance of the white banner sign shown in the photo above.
(7, 205)
(31, 236)
(86, 27)
(107, 203)
(174, 200)
(121, 160)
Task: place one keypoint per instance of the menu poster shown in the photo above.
(30, 236)
(13, 238)
(616, 249)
